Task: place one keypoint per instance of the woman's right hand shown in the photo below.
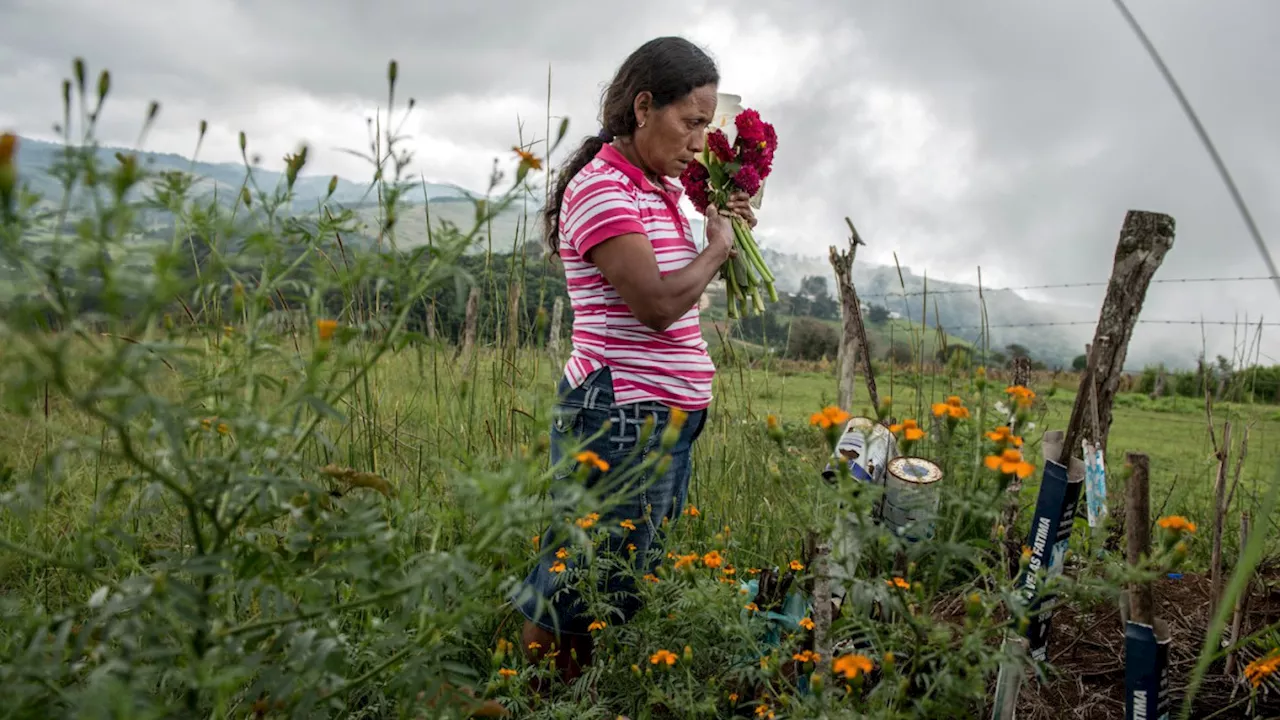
(720, 238)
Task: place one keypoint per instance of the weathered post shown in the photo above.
(557, 318)
(1145, 238)
(853, 336)
(469, 323)
(1146, 639)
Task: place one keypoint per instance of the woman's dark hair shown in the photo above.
(667, 67)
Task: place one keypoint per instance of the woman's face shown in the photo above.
(672, 136)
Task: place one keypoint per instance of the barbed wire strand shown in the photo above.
(1059, 286)
(1203, 134)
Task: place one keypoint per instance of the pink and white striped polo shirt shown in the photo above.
(608, 198)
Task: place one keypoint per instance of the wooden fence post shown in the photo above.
(1138, 534)
(853, 336)
(1145, 238)
(557, 318)
(469, 322)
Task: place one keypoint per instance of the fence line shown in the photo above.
(1059, 286)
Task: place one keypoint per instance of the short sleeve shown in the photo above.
(600, 208)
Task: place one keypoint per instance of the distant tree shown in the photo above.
(812, 340)
(1014, 350)
(900, 353)
(1080, 362)
(878, 314)
(814, 287)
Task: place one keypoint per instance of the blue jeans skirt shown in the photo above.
(586, 419)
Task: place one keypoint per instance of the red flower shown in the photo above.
(718, 143)
(694, 178)
(750, 128)
(747, 179)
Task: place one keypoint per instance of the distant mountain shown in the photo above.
(36, 158)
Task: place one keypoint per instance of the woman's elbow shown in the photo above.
(656, 316)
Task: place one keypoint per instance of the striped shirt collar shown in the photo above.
(610, 154)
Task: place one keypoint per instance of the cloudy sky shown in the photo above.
(1008, 135)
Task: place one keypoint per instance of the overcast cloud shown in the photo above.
(1010, 135)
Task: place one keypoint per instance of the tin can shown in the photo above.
(866, 447)
(911, 497)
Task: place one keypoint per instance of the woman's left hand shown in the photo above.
(740, 205)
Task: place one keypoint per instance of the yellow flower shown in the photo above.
(597, 625)
(627, 525)
(535, 646)
(223, 429)
(562, 553)
(806, 656)
(527, 158)
(1177, 524)
(771, 422)
(1263, 667)
(752, 607)
(898, 583)
(712, 559)
(852, 665)
(587, 522)
(806, 623)
(507, 672)
(692, 511)
(326, 328)
(796, 565)
(631, 547)
(1002, 435)
(686, 561)
(1010, 462)
(728, 570)
(829, 417)
(1022, 395)
(504, 646)
(558, 568)
(207, 423)
(663, 656)
(587, 457)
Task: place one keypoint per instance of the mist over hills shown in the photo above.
(956, 306)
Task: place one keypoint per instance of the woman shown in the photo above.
(634, 276)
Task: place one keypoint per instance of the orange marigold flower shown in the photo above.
(796, 565)
(631, 547)
(913, 434)
(597, 625)
(586, 457)
(1177, 524)
(713, 559)
(692, 511)
(1022, 395)
(528, 158)
(852, 665)
(562, 554)
(751, 607)
(677, 418)
(1010, 462)
(223, 429)
(535, 646)
(806, 623)
(906, 425)
(627, 525)
(558, 567)
(771, 422)
(939, 409)
(507, 672)
(663, 656)
(652, 578)
(763, 711)
(326, 328)
(806, 656)
(586, 523)
(536, 540)
(729, 570)
(753, 571)
(899, 583)
(829, 417)
(686, 561)
(1258, 670)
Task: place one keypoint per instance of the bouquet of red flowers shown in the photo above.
(723, 169)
